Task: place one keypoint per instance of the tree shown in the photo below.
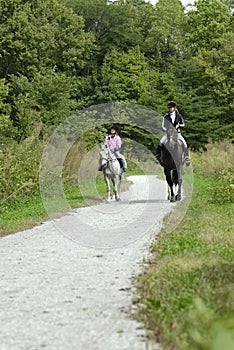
(124, 77)
(41, 34)
(218, 72)
(46, 100)
(165, 39)
(207, 24)
(111, 23)
(7, 130)
(230, 5)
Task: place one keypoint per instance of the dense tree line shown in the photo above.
(60, 56)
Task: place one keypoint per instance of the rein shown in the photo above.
(172, 140)
(109, 157)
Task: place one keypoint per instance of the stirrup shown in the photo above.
(187, 160)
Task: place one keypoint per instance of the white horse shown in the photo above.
(111, 170)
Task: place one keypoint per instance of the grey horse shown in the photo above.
(111, 170)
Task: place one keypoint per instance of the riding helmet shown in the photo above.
(171, 104)
(116, 128)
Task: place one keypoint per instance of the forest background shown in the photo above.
(58, 57)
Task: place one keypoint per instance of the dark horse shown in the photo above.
(172, 152)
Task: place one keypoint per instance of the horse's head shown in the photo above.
(103, 154)
(172, 139)
(106, 154)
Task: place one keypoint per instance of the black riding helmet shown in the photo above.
(171, 104)
(115, 127)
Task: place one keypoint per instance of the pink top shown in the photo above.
(114, 143)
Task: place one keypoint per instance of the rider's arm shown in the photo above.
(118, 142)
(181, 121)
(164, 124)
(106, 142)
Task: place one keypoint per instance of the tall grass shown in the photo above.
(21, 205)
(187, 291)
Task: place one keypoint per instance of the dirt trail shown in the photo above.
(66, 284)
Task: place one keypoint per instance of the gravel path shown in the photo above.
(66, 284)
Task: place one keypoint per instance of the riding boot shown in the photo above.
(186, 157)
(100, 167)
(159, 155)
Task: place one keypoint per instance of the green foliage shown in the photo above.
(113, 24)
(40, 34)
(19, 168)
(217, 161)
(62, 55)
(207, 24)
(46, 99)
(7, 130)
(218, 70)
(165, 39)
(224, 191)
(124, 76)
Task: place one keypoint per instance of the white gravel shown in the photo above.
(66, 284)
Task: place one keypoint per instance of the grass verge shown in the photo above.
(25, 212)
(187, 291)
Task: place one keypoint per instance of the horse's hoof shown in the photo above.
(173, 200)
(178, 198)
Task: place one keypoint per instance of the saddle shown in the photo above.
(164, 145)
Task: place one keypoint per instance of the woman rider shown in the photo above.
(114, 142)
(175, 118)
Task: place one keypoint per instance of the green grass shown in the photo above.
(187, 292)
(25, 212)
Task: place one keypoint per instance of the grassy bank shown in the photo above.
(26, 212)
(187, 291)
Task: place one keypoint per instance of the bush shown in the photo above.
(19, 168)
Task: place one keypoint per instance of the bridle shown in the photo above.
(109, 158)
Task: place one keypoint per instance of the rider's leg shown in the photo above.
(186, 155)
(123, 160)
(100, 164)
(159, 149)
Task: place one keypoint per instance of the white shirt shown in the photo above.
(173, 115)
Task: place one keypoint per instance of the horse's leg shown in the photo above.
(108, 188)
(170, 184)
(179, 173)
(115, 184)
(120, 179)
(168, 192)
